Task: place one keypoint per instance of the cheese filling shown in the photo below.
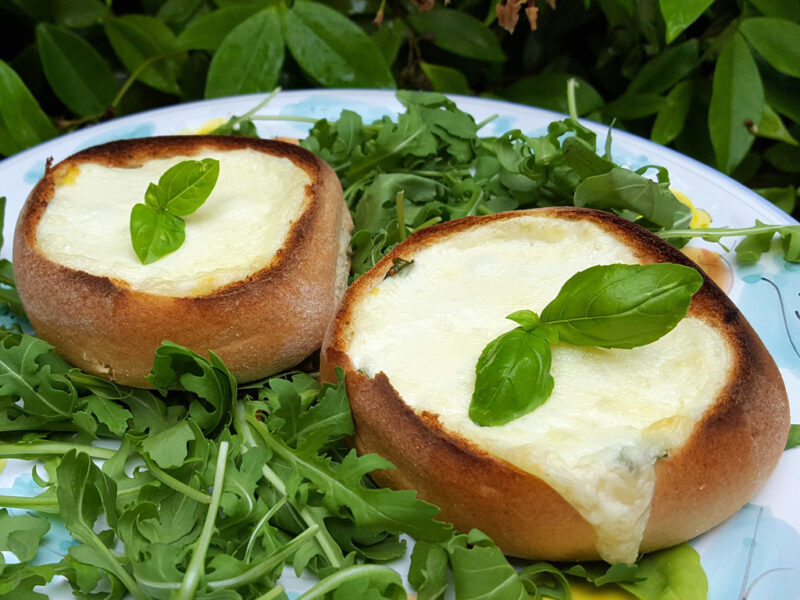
(612, 413)
(236, 233)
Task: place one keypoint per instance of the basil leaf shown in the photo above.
(78, 74)
(155, 234)
(737, 95)
(512, 378)
(188, 184)
(249, 59)
(622, 306)
(620, 189)
(333, 50)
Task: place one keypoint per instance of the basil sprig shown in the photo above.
(611, 306)
(157, 227)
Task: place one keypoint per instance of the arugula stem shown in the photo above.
(240, 424)
(401, 220)
(273, 593)
(38, 503)
(486, 121)
(176, 484)
(572, 105)
(196, 568)
(331, 582)
(264, 520)
(26, 450)
(269, 563)
(718, 231)
(249, 114)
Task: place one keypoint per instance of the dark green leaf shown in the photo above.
(140, 38)
(458, 32)
(679, 14)
(446, 79)
(584, 159)
(634, 105)
(177, 13)
(621, 306)
(772, 127)
(188, 184)
(22, 534)
(333, 50)
(22, 122)
(620, 189)
(784, 157)
(155, 234)
(666, 69)
(77, 14)
(793, 440)
(250, 58)
(389, 39)
(786, 9)
(78, 74)
(512, 378)
(784, 198)
(207, 32)
(671, 118)
(737, 102)
(549, 90)
(775, 40)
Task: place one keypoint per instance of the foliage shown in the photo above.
(716, 80)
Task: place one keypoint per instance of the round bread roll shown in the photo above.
(635, 450)
(257, 279)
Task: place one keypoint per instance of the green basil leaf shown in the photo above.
(666, 69)
(620, 189)
(250, 58)
(527, 319)
(207, 32)
(155, 234)
(446, 79)
(793, 440)
(549, 90)
(78, 74)
(622, 306)
(138, 38)
(671, 118)
(188, 185)
(776, 40)
(679, 14)
(512, 378)
(22, 122)
(737, 97)
(333, 50)
(459, 33)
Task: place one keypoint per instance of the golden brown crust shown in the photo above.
(260, 325)
(732, 451)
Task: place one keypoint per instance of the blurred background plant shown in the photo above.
(718, 81)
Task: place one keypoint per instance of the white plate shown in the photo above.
(753, 555)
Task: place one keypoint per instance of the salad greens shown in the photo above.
(210, 488)
(611, 306)
(157, 228)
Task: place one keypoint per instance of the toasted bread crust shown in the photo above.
(731, 452)
(259, 325)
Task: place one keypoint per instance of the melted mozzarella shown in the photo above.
(236, 233)
(612, 412)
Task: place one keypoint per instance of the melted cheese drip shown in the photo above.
(612, 412)
(236, 233)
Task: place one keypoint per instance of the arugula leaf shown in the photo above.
(481, 571)
(793, 440)
(156, 226)
(428, 570)
(675, 572)
(22, 535)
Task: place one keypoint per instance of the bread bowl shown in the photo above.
(257, 279)
(635, 450)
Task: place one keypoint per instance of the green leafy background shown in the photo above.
(719, 81)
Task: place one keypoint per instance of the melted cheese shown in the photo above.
(236, 233)
(612, 412)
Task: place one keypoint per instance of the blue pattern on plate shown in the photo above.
(753, 556)
(35, 172)
(773, 288)
(123, 133)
